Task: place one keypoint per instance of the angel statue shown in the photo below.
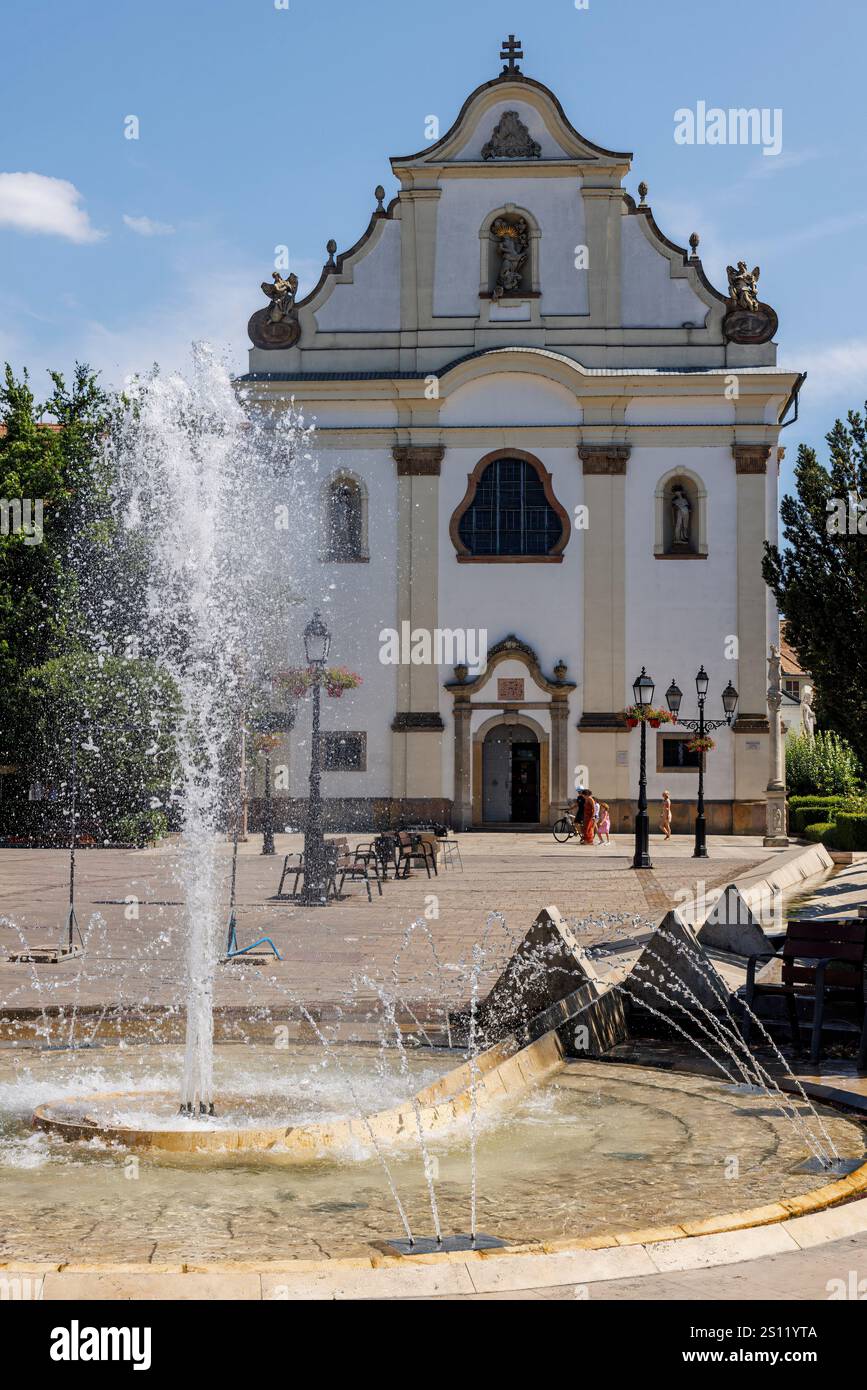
(281, 295)
(742, 286)
(512, 245)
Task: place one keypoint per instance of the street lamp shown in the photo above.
(701, 726)
(269, 721)
(317, 644)
(642, 691)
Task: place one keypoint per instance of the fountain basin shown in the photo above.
(596, 1152)
(149, 1119)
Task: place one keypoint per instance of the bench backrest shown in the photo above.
(843, 938)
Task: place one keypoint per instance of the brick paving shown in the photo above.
(139, 959)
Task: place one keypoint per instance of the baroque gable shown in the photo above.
(510, 229)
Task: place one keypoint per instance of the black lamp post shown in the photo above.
(317, 644)
(269, 721)
(642, 691)
(701, 726)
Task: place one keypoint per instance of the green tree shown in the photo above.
(826, 765)
(121, 715)
(74, 597)
(820, 579)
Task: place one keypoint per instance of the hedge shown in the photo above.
(815, 800)
(804, 811)
(822, 832)
(851, 830)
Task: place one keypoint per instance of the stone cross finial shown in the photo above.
(511, 50)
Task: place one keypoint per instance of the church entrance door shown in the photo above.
(511, 768)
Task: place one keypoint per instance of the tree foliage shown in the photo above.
(820, 579)
(826, 765)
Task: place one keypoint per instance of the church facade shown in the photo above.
(548, 454)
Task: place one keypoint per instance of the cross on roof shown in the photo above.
(511, 50)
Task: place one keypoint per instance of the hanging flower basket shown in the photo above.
(701, 745)
(266, 743)
(297, 680)
(338, 679)
(654, 717)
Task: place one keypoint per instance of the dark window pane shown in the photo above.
(343, 752)
(676, 754)
(510, 514)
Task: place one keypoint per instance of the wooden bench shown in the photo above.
(821, 960)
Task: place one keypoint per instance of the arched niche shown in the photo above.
(344, 506)
(680, 493)
(492, 234)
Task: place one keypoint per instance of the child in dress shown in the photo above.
(604, 825)
(665, 817)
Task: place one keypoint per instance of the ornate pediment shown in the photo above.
(511, 140)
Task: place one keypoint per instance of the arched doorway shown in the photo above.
(511, 774)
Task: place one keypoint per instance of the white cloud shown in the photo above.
(38, 203)
(838, 370)
(145, 226)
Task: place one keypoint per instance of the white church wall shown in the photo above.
(357, 601)
(679, 613)
(542, 604)
(692, 410)
(511, 398)
(464, 204)
(650, 297)
(372, 301)
(353, 414)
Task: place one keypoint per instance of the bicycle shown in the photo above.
(564, 830)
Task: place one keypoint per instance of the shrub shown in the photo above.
(812, 811)
(851, 830)
(821, 832)
(141, 829)
(826, 764)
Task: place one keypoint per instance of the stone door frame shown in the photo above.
(554, 784)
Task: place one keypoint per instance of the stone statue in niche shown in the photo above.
(512, 240)
(681, 515)
(511, 140)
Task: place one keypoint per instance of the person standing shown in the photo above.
(604, 823)
(665, 816)
(589, 818)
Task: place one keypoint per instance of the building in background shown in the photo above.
(538, 422)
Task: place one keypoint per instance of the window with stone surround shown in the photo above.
(509, 512)
(344, 752)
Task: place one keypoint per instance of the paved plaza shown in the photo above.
(128, 907)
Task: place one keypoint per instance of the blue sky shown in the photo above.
(262, 125)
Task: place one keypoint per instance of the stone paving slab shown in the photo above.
(137, 952)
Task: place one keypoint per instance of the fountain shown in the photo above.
(417, 1100)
